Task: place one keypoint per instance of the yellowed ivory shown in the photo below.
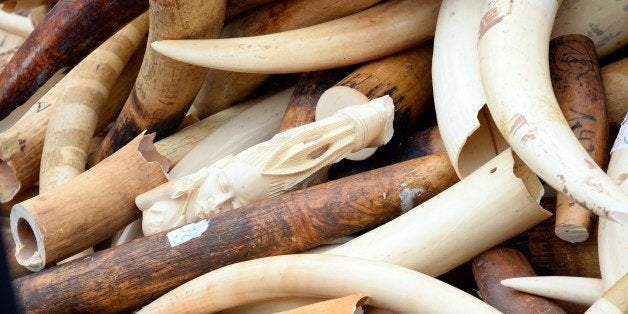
(613, 237)
(16, 24)
(493, 204)
(514, 48)
(604, 21)
(267, 169)
(390, 287)
(467, 130)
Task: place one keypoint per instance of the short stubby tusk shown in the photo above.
(580, 290)
(349, 40)
(514, 46)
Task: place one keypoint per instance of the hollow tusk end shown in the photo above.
(29, 244)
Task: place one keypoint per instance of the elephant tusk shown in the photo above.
(580, 290)
(405, 23)
(514, 46)
(614, 300)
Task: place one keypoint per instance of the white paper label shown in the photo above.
(622, 138)
(187, 232)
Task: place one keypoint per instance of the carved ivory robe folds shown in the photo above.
(267, 169)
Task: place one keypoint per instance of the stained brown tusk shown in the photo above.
(348, 305)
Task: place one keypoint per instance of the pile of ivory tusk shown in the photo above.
(330, 156)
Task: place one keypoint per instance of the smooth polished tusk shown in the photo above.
(253, 126)
(15, 24)
(514, 46)
(614, 301)
(613, 237)
(266, 169)
(580, 290)
(350, 40)
(604, 21)
(389, 286)
(506, 206)
(468, 131)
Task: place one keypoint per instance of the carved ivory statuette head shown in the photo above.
(267, 169)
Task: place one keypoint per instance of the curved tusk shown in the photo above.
(604, 21)
(513, 43)
(614, 301)
(258, 123)
(469, 134)
(613, 237)
(506, 206)
(580, 290)
(266, 169)
(350, 40)
(61, 41)
(389, 287)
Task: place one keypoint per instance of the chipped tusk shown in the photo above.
(470, 136)
(506, 206)
(390, 287)
(580, 290)
(514, 46)
(405, 23)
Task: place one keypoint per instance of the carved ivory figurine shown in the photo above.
(267, 169)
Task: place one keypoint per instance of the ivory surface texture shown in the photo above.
(493, 265)
(72, 125)
(615, 77)
(223, 88)
(405, 23)
(389, 286)
(267, 169)
(580, 95)
(467, 130)
(164, 88)
(604, 21)
(580, 290)
(94, 205)
(15, 24)
(253, 126)
(613, 237)
(61, 41)
(514, 46)
(442, 233)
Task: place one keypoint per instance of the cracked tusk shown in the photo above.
(470, 136)
(389, 286)
(514, 45)
(319, 47)
(580, 290)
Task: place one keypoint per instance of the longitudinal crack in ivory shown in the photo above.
(267, 169)
(514, 47)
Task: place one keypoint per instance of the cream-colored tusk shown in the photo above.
(613, 237)
(350, 40)
(614, 301)
(604, 21)
(266, 169)
(16, 24)
(615, 78)
(514, 47)
(445, 231)
(389, 286)
(466, 127)
(254, 125)
(580, 290)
